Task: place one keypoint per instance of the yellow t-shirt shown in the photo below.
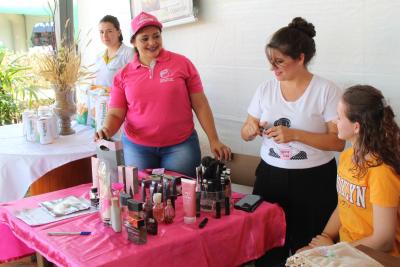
(380, 186)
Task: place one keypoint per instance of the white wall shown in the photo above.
(13, 33)
(357, 42)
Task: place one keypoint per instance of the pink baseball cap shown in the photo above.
(142, 20)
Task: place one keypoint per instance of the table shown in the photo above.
(385, 259)
(229, 241)
(22, 162)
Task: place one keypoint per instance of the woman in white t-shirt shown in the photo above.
(294, 113)
(116, 55)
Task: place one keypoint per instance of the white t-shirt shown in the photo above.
(105, 72)
(310, 113)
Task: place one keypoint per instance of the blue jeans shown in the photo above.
(182, 158)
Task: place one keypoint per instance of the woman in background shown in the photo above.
(294, 113)
(116, 55)
(368, 180)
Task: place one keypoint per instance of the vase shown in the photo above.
(65, 107)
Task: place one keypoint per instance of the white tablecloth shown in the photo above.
(22, 162)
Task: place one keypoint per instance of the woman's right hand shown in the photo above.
(251, 129)
(103, 133)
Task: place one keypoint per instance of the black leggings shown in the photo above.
(308, 197)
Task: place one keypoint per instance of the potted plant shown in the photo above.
(61, 67)
(10, 75)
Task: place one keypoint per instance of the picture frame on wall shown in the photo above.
(169, 12)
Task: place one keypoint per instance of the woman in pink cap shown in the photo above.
(154, 95)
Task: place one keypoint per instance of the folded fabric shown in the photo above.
(339, 255)
(65, 206)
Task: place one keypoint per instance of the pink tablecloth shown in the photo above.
(11, 248)
(229, 241)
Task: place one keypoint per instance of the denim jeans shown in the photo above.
(182, 158)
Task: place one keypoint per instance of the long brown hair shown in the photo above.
(379, 134)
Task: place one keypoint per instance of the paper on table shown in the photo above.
(39, 216)
(65, 206)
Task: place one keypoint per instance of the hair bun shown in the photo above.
(302, 25)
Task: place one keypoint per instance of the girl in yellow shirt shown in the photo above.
(368, 180)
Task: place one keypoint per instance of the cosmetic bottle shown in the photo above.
(169, 212)
(217, 209)
(124, 206)
(158, 209)
(94, 197)
(174, 190)
(153, 189)
(104, 191)
(143, 193)
(135, 226)
(115, 215)
(135, 209)
(165, 190)
(136, 230)
(151, 223)
(228, 192)
(117, 189)
(189, 200)
(124, 212)
(198, 190)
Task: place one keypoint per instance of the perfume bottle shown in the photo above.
(135, 226)
(158, 209)
(124, 207)
(169, 212)
(135, 209)
(117, 189)
(151, 223)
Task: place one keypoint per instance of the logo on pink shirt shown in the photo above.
(165, 76)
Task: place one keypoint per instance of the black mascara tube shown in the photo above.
(227, 206)
(218, 209)
(143, 191)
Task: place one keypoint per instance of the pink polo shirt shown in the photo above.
(159, 111)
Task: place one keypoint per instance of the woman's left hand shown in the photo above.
(280, 134)
(220, 151)
(321, 240)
